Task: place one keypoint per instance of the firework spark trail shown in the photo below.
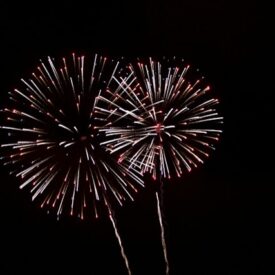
(163, 241)
(123, 254)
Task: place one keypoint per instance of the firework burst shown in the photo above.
(52, 143)
(161, 118)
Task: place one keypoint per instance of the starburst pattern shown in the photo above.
(161, 118)
(52, 143)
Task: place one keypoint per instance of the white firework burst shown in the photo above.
(162, 118)
(52, 144)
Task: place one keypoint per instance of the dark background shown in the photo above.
(220, 217)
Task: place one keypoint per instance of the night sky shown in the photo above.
(219, 218)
